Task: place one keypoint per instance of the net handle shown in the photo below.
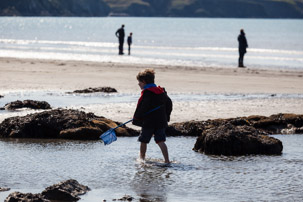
(133, 119)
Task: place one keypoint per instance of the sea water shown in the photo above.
(30, 165)
(93, 101)
(199, 42)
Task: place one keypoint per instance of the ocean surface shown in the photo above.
(200, 42)
(30, 165)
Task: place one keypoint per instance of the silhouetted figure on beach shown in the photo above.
(129, 41)
(121, 34)
(242, 47)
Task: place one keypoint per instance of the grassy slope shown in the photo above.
(219, 8)
(179, 4)
(178, 8)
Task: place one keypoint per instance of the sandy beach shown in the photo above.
(55, 75)
(283, 94)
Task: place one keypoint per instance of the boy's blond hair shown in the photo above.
(147, 76)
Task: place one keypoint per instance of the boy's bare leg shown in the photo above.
(164, 150)
(143, 147)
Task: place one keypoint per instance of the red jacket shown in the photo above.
(150, 99)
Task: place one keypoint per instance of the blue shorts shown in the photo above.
(147, 133)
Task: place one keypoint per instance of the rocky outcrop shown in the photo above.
(229, 139)
(65, 191)
(26, 197)
(32, 104)
(239, 136)
(95, 90)
(68, 190)
(292, 130)
(60, 123)
(274, 124)
(125, 198)
(1, 96)
(4, 189)
(189, 128)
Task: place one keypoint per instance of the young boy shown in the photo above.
(152, 122)
(129, 41)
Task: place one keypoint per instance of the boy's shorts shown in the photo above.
(147, 133)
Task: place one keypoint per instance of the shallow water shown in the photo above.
(113, 171)
(62, 99)
(187, 106)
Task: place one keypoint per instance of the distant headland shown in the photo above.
(155, 8)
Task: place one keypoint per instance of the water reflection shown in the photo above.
(59, 143)
(112, 171)
(151, 180)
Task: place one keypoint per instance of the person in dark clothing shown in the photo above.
(129, 41)
(242, 47)
(155, 122)
(120, 34)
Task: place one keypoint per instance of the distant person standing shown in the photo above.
(242, 47)
(120, 34)
(129, 41)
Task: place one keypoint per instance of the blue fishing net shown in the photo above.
(109, 136)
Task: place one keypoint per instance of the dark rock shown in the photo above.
(273, 124)
(1, 96)
(195, 128)
(4, 189)
(292, 130)
(68, 190)
(228, 139)
(95, 90)
(14, 105)
(60, 123)
(125, 198)
(87, 133)
(28, 197)
(32, 104)
(105, 124)
(190, 128)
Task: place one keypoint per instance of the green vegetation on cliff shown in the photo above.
(53, 8)
(155, 8)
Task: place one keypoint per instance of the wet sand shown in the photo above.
(29, 75)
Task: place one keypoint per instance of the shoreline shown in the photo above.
(37, 74)
(53, 75)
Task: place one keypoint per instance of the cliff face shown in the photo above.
(242, 8)
(53, 8)
(209, 8)
(155, 8)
